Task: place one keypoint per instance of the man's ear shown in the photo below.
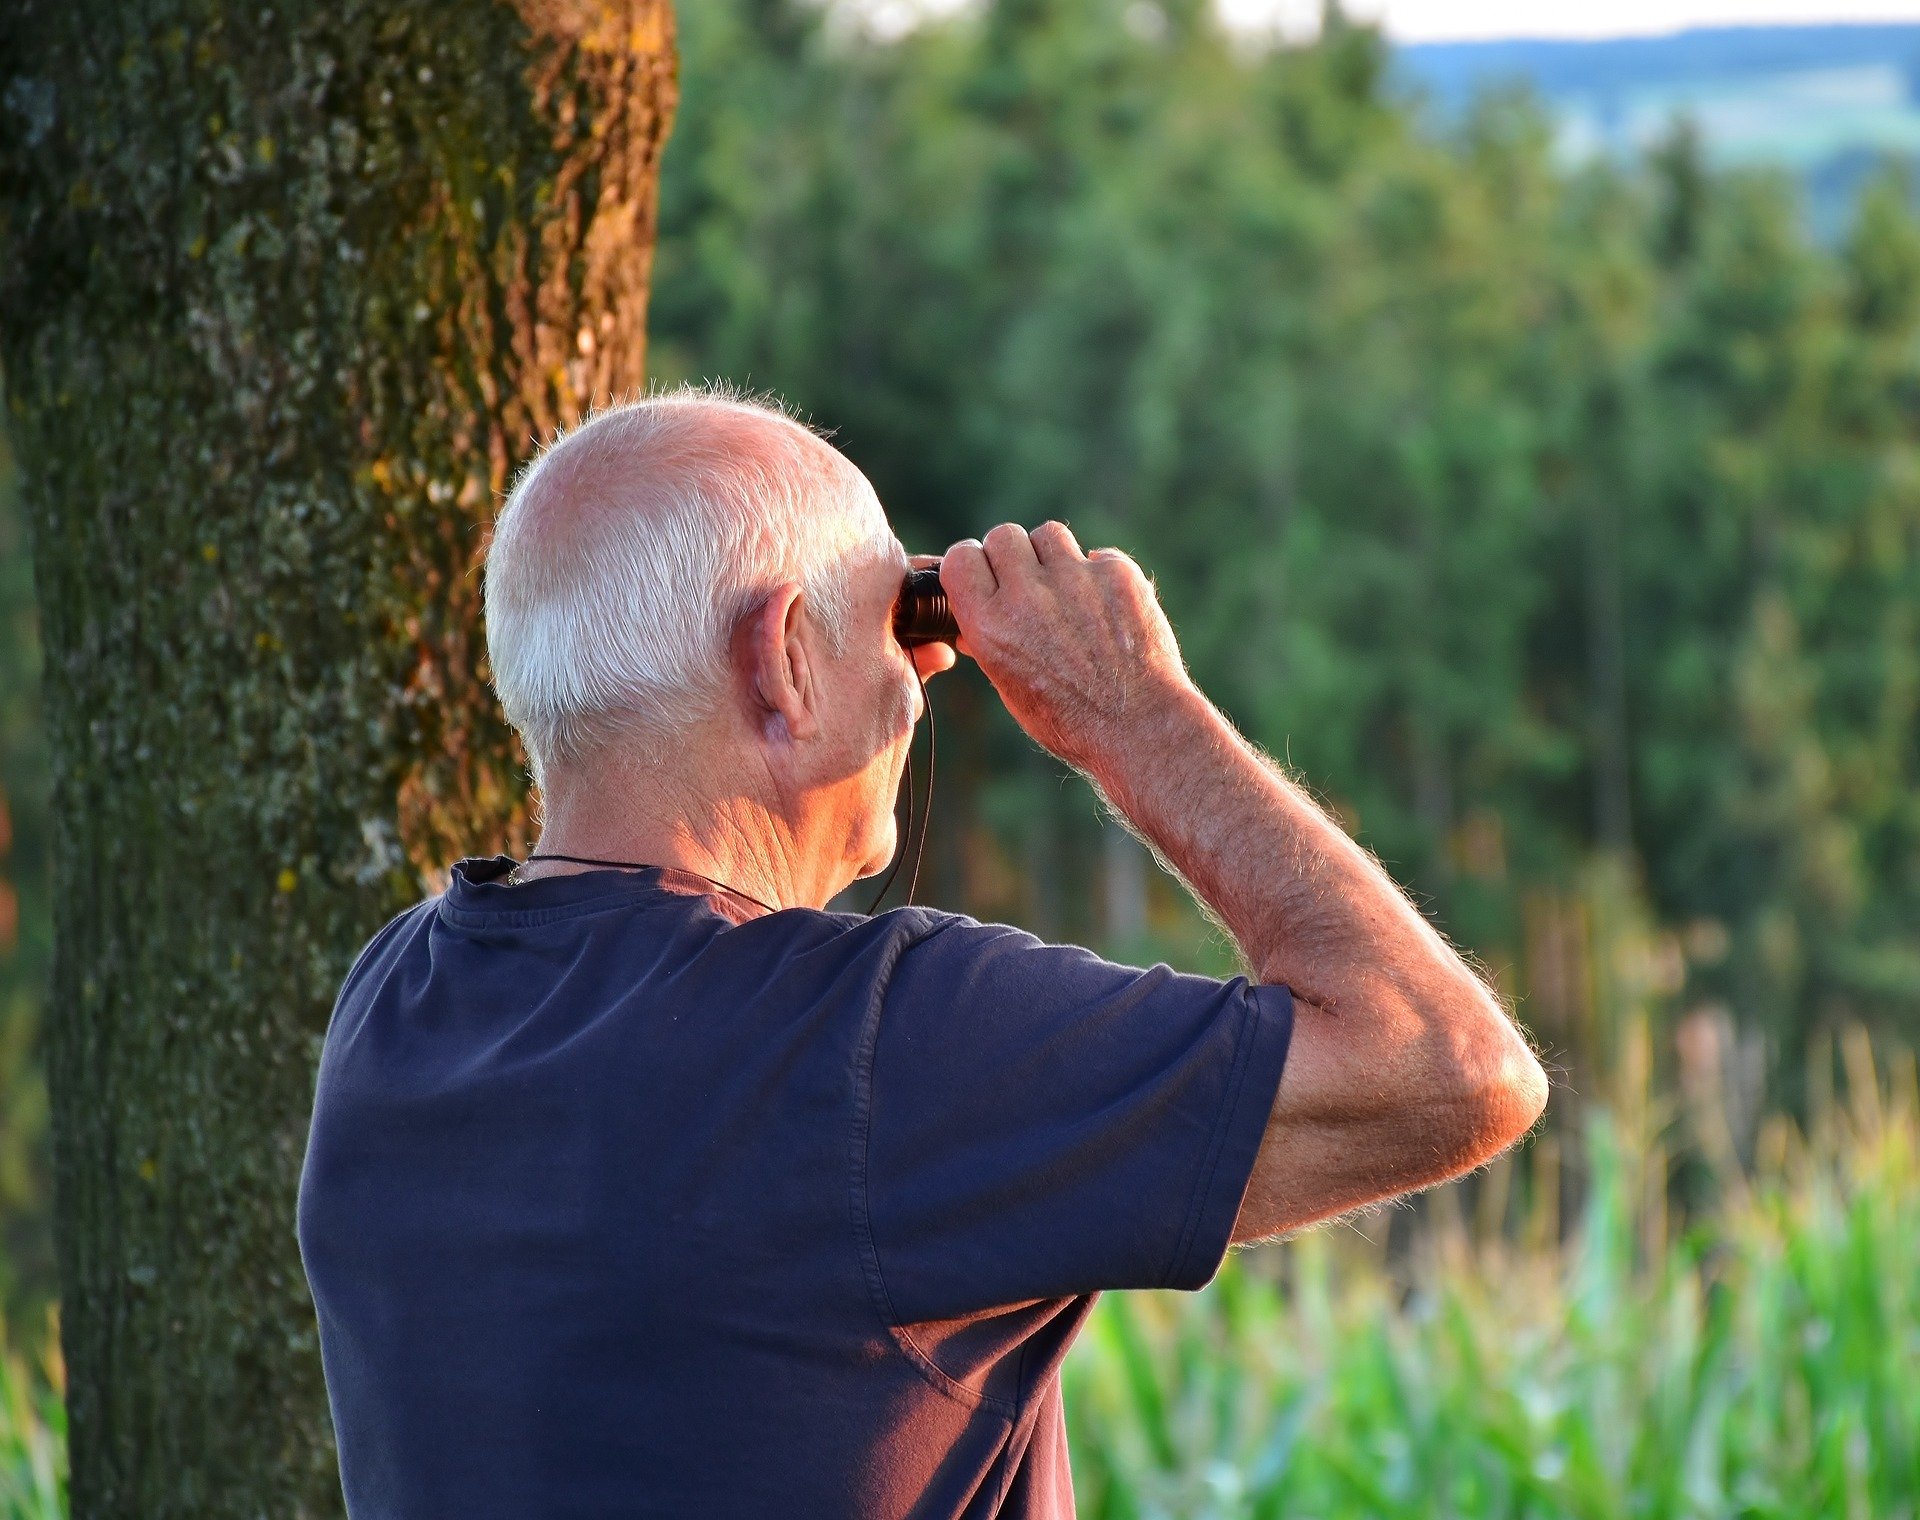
(773, 665)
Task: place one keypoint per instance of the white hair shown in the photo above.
(629, 549)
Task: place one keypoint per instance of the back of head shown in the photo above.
(631, 546)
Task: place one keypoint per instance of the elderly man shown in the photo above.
(641, 1184)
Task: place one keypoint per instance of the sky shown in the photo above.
(1467, 20)
(1463, 20)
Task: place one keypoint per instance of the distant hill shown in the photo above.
(1827, 102)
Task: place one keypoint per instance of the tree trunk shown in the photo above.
(286, 293)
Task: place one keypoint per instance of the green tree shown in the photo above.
(1552, 521)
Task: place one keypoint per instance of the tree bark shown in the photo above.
(287, 291)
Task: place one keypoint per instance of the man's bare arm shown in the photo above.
(1404, 1068)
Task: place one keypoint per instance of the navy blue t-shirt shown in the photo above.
(624, 1198)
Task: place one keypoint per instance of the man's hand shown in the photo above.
(1075, 644)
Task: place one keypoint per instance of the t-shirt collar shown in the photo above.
(477, 887)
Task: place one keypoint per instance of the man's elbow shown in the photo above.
(1496, 1087)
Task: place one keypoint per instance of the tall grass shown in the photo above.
(33, 1431)
(1762, 1360)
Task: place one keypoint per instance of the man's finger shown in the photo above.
(1054, 542)
(931, 659)
(965, 575)
(1010, 552)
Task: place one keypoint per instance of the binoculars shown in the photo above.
(922, 616)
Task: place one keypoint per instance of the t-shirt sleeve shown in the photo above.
(1042, 1123)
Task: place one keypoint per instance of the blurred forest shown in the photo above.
(26, 930)
(1560, 527)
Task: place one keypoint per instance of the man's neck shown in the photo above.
(737, 843)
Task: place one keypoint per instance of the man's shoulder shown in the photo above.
(926, 945)
(390, 937)
(916, 941)
(888, 933)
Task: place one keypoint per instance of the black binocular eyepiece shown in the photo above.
(922, 615)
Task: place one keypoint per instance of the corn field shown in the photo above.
(1762, 1360)
(33, 1436)
(1758, 1360)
